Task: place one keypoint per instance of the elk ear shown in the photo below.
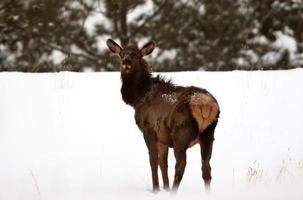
(148, 48)
(113, 46)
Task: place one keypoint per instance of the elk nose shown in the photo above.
(126, 61)
(126, 64)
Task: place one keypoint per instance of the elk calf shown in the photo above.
(168, 115)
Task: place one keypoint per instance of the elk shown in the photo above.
(167, 115)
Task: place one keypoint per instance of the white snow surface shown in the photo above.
(69, 136)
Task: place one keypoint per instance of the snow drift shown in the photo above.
(59, 139)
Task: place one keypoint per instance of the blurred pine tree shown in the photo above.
(191, 35)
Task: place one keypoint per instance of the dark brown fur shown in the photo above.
(168, 115)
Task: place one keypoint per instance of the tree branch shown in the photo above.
(149, 19)
(99, 12)
(52, 47)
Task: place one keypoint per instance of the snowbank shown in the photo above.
(70, 136)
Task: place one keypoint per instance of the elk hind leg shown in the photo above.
(180, 155)
(206, 143)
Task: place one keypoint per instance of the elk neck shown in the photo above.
(135, 84)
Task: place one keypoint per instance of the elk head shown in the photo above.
(131, 57)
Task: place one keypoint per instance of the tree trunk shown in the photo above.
(123, 23)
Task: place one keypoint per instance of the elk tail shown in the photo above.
(204, 109)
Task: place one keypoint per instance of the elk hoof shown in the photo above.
(166, 188)
(156, 189)
(207, 185)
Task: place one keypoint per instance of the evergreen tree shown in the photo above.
(190, 35)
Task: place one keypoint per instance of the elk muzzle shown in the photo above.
(126, 65)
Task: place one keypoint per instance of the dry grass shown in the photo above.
(288, 169)
(35, 183)
(255, 173)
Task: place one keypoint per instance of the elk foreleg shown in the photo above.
(151, 143)
(163, 153)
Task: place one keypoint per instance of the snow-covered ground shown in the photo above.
(69, 136)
